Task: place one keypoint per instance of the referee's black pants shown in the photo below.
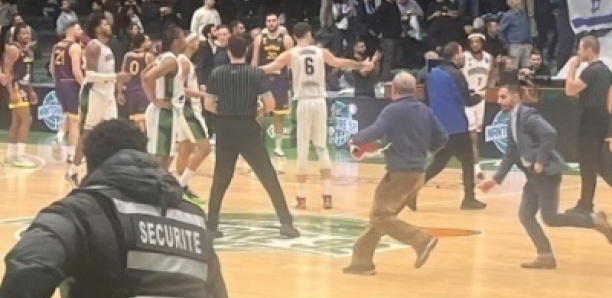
(242, 136)
(591, 134)
(460, 146)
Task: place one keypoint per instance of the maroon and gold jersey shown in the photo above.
(135, 63)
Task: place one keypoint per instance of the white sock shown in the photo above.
(11, 150)
(60, 135)
(278, 142)
(327, 187)
(187, 174)
(301, 190)
(71, 150)
(477, 168)
(20, 149)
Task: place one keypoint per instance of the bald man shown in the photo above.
(414, 132)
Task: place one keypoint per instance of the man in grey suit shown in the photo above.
(531, 143)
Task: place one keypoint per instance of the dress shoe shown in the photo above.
(603, 226)
(423, 252)
(289, 231)
(547, 263)
(360, 270)
(472, 204)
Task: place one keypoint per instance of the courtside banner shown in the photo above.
(589, 15)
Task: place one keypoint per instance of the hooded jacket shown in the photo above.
(77, 236)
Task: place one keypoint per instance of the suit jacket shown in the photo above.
(536, 143)
(203, 61)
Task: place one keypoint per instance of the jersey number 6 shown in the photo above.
(309, 68)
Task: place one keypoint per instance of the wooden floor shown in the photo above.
(478, 255)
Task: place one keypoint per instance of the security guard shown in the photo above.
(125, 232)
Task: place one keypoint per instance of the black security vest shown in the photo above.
(141, 250)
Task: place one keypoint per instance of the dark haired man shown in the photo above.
(17, 65)
(164, 84)
(531, 146)
(266, 48)
(97, 96)
(238, 94)
(449, 95)
(307, 63)
(125, 231)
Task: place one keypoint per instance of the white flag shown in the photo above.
(589, 15)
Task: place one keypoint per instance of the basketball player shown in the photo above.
(307, 64)
(18, 66)
(66, 68)
(164, 83)
(132, 94)
(477, 69)
(190, 157)
(97, 95)
(267, 47)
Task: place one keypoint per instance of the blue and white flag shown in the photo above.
(589, 15)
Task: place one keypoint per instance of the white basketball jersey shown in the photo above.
(106, 65)
(191, 81)
(171, 89)
(476, 71)
(308, 71)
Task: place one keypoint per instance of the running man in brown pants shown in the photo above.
(413, 132)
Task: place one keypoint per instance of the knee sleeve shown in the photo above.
(323, 156)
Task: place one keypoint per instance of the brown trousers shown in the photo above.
(390, 198)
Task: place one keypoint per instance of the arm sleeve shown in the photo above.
(508, 160)
(376, 130)
(45, 254)
(439, 137)
(546, 134)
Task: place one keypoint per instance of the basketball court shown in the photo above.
(478, 254)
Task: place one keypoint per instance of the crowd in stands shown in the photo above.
(403, 32)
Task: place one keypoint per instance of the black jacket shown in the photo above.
(64, 239)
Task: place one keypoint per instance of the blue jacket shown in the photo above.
(413, 132)
(447, 93)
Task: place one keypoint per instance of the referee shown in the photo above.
(593, 89)
(233, 93)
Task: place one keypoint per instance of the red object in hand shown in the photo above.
(487, 185)
(366, 150)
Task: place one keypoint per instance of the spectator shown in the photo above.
(203, 57)
(98, 7)
(66, 16)
(326, 17)
(410, 45)
(154, 14)
(7, 11)
(220, 56)
(514, 32)
(444, 25)
(565, 33)
(17, 19)
(130, 15)
(389, 22)
(365, 25)
(493, 45)
(207, 14)
(424, 72)
(238, 28)
(363, 80)
(546, 25)
(343, 14)
(470, 8)
(538, 67)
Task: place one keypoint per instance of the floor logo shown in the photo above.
(497, 132)
(50, 112)
(326, 236)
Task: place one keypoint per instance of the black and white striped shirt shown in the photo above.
(237, 87)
